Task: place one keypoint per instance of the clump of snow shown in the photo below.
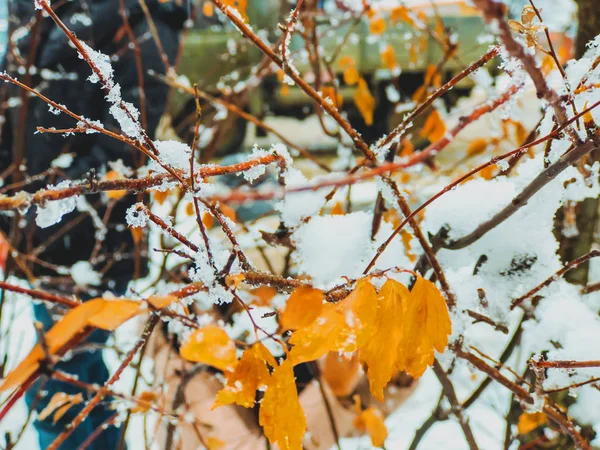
(136, 216)
(174, 154)
(52, 212)
(83, 274)
(63, 161)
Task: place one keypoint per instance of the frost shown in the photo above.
(52, 212)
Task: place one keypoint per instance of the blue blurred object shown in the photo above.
(3, 28)
(87, 366)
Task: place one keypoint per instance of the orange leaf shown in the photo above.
(114, 313)
(477, 146)
(144, 402)
(434, 127)
(341, 327)
(377, 26)
(351, 76)
(189, 209)
(264, 295)
(371, 421)
(407, 148)
(250, 374)
(346, 61)
(406, 238)
(208, 9)
(427, 327)
(338, 209)
(388, 58)
(71, 324)
(208, 220)
(162, 302)
(228, 212)
(137, 233)
(364, 101)
(210, 345)
(281, 415)
(302, 308)
(380, 352)
(340, 373)
(530, 421)
(59, 404)
(235, 280)
(330, 93)
(401, 13)
(111, 176)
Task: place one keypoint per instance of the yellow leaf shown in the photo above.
(388, 58)
(71, 324)
(351, 76)
(330, 93)
(434, 127)
(380, 352)
(59, 404)
(407, 148)
(377, 25)
(281, 415)
(406, 239)
(477, 146)
(228, 212)
(426, 327)
(530, 421)
(144, 402)
(250, 374)
(208, 220)
(112, 176)
(210, 345)
(114, 313)
(371, 421)
(302, 308)
(364, 101)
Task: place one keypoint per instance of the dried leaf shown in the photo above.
(364, 101)
(281, 415)
(434, 127)
(235, 280)
(338, 209)
(336, 98)
(210, 345)
(530, 421)
(189, 209)
(250, 374)
(426, 327)
(528, 14)
(371, 421)
(302, 308)
(59, 404)
(380, 352)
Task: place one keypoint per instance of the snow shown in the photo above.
(52, 212)
(83, 274)
(137, 217)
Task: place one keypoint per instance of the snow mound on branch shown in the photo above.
(53, 211)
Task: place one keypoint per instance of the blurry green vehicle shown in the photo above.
(220, 60)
